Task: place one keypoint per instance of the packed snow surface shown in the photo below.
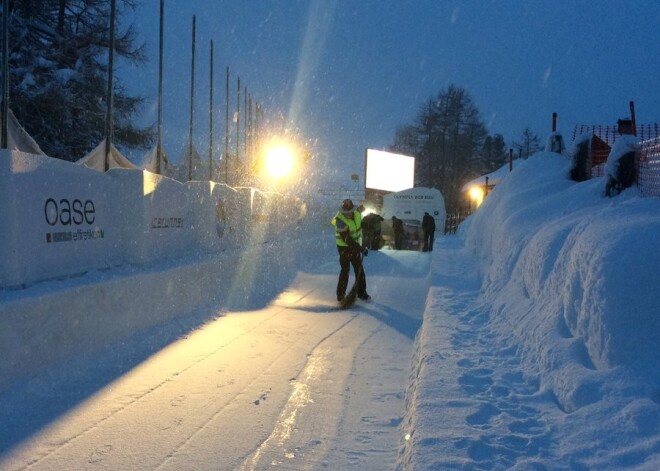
(526, 341)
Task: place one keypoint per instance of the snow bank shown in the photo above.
(538, 348)
(572, 274)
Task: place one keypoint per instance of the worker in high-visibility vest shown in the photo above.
(348, 235)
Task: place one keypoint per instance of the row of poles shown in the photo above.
(252, 121)
(253, 112)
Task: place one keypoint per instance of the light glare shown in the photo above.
(477, 195)
(279, 161)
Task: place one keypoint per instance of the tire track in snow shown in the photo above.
(287, 420)
(327, 425)
(69, 436)
(298, 441)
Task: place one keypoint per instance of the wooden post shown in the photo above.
(632, 118)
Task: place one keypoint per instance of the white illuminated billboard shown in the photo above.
(389, 172)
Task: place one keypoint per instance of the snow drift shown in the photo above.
(537, 347)
(572, 274)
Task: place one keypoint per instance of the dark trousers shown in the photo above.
(398, 240)
(348, 257)
(429, 237)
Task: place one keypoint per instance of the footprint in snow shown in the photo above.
(99, 454)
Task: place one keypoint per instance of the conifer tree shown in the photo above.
(58, 63)
(494, 153)
(448, 138)
(530, 144)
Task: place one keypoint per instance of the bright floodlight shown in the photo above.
(477, 195)
(279, 161)
(389, 172)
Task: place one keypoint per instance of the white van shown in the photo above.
(410, 206)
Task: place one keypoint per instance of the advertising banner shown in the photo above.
(60, 219)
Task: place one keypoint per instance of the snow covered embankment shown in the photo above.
(572, 274)
(48, 323)
(542, 349)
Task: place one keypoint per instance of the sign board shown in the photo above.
(388, 171)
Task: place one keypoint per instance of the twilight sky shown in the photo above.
(347, 73)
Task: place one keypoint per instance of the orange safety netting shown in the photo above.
(647, 156)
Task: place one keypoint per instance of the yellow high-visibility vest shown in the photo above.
(354, 227)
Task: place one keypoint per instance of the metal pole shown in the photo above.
(245, 126)
(238, 122)
(227, 128)
(192, 100)
(211, 117)
(250, 134)
(4, 135)
(111, 61)
(256, 137)
(159, 145)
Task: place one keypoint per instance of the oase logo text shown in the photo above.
(67, 213)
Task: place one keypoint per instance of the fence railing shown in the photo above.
(453, 220)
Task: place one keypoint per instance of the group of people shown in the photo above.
(355, 236)
(428, 227)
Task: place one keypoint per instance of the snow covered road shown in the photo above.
(526, 341)
(295, 385)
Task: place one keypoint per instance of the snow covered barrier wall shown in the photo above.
(63, 219)
(107, 243)
(204, 197)
(58, 219)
